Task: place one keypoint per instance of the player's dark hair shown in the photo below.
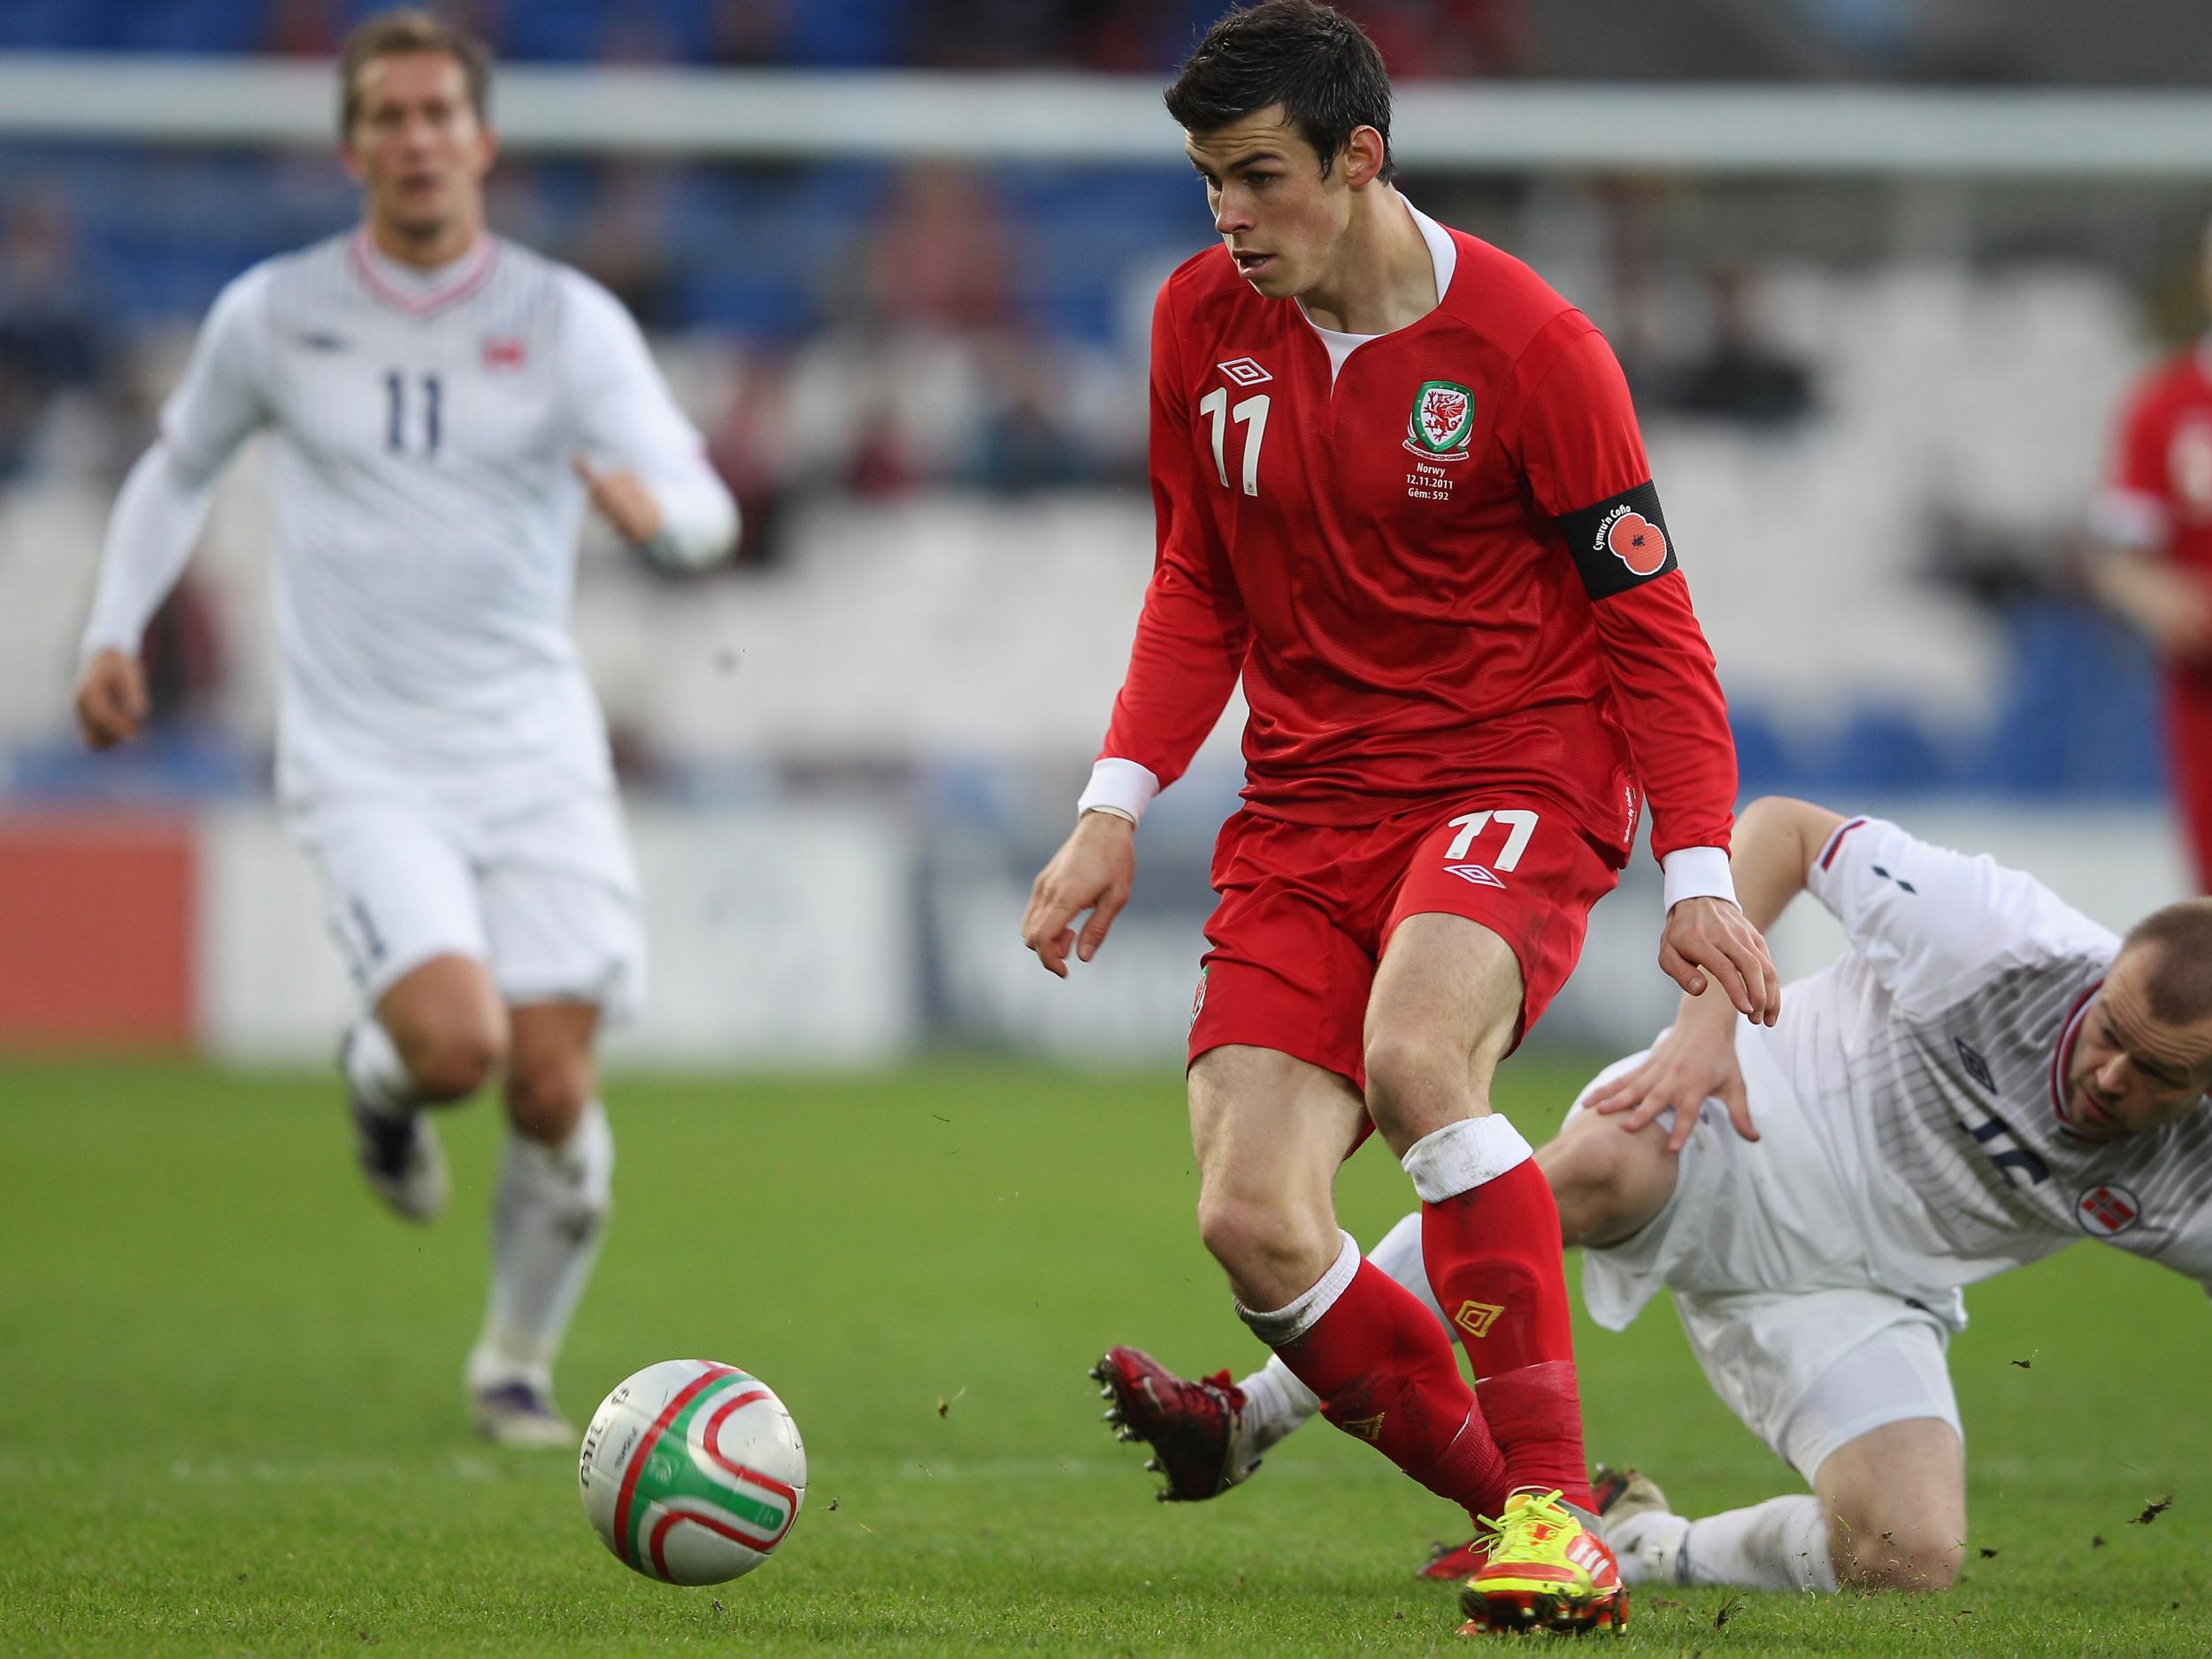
(1312, 60)
(410, 29)
(2178, 983)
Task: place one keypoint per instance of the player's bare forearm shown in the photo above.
(1093, 871)
(1716, 951)
(2169, 607)
(1772, 850)
(1771, 854)
(624, 500)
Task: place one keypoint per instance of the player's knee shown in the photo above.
(1414, 1082)
(1589, 1176)
(546, 1098)
(1261, 1245)
(1877, 1549)
(1902, 1571)
(451, 1062)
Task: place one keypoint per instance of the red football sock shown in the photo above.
(1386, 1373)
(1493, 1255)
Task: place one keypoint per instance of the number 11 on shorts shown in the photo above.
(1520, 820)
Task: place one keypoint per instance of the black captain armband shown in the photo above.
(1620, 543)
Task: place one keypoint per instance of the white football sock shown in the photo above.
(548, 1217)
(1279, 1327)
(1464, 1155)
(377, 1077)
(1275, 1401)
(1399, 1254)
(1779, 1545)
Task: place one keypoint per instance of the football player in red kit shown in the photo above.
(1400, 492)
(2155, 564)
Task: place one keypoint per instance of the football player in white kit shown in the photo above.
(1985, 1077)
(441, 404)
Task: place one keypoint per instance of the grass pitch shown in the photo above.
(233, 1420)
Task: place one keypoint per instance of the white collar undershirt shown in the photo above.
(1442, 249)
(415, 277)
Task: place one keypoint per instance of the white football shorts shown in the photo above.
(546, 897)
(1762, 1251)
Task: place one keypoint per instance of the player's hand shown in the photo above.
(623, 499)
(1711, 937)
(112, 704)
(1694, 1061)
(1091, 872)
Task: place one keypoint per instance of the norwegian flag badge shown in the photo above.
(2108, 1210)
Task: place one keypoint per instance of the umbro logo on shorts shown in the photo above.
(1479, 874)
(1368, 1429)
(1244, 372)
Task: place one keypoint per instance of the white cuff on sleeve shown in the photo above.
(1697, 872)
(2129, 518)
(1119, 787)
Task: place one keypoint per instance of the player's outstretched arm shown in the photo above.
(1776, 842)
(111, 703)
(1093, 871)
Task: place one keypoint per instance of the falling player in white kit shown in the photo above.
(1985, 1077)
(441, 404)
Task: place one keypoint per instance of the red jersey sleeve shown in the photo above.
(1193, 633)
(2135, 507)
(1583, 456)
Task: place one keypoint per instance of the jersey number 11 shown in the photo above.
(395, 412)
(1215, 404)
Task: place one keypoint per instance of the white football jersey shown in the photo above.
(1929, 1062)
(424, 507)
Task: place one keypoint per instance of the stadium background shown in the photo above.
(1879, 272)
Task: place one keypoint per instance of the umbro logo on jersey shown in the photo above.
(2108, 1210)
(1479, 875)
(1244, 372)
(318, 341)
(1975, 1066)
(504, 352)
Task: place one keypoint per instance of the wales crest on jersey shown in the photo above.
(1443, 415)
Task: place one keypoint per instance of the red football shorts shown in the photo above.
(1306, 911)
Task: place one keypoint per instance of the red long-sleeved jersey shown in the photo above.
(1440, 570)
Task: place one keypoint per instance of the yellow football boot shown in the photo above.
(1545, 1570)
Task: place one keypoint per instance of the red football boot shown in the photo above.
(1452, 1565)
(1608, 1487)
(1545, 1572)
(1195, 1429)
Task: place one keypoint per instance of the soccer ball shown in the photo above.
(692, 1472)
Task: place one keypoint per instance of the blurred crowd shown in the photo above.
(2125, 42)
